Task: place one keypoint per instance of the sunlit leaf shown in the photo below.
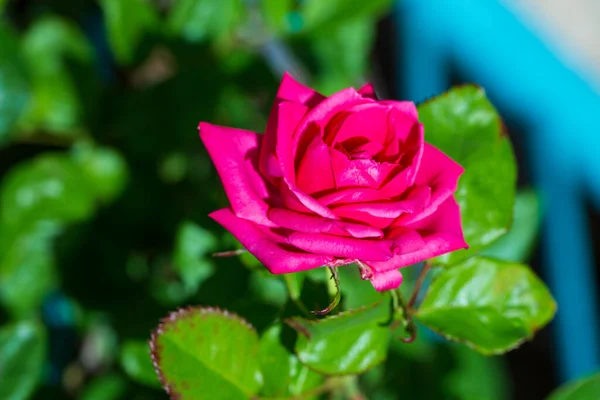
(222, 363)
(582, 389)
(490, 305)
(464, 125)
(22, 356)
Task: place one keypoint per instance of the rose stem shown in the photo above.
(418, 284)
(408, 323)
(333, 288)
(230, 253)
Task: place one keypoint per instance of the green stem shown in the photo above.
(418, 284)
(294, 292)
(402, 308)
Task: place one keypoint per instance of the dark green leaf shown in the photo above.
(583, 389)
(136, 362)
(347, 343)
(110, 387)
(14, 85)
(490, 305)
(22, 356)
(197, 20)
(283, 374)
(206, 353)
(518, 243)
(464, 125)
(193, 245)
(127, 21)
(55, 106)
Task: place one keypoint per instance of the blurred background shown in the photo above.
(105, 187)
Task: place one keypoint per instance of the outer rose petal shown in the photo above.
(342, 247)
(267, 247)
(234, 153)
(387, 280)
(292, 91)
(439, 172)
(300, 222)
(315, 172)
(441, 233)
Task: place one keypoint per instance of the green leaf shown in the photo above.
(322, 16)
(343, 54)
(490, 305)
(283, 373)
(104, 169)
(110, 387)
(22, 355)
(27, 267)
(518, 243)
(198, 20)
(268, 288)
(206, 353)
(275, 12)
(582, 389)
(192, 246)
(464, 125)
(49, 187)
(136, 362)
(347, 343)
(55, 106)
(127, 21)
(14, 85)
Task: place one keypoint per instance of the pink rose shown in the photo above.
(337, 180)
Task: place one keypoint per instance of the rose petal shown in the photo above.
(439, 172)
(415, 202)
(291, 91)
(441, 233)
(359, 172)
(235, 154)
(342, 247)
(269, 248)
(368, 91)
(351, 195)
(297, 200)
(404, 107)
(366, 121)
(315, 172)
(313, 224)
(387, 280)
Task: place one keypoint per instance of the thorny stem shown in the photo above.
(229, 253)
(408, 323)
(418, 284)
(333, 289)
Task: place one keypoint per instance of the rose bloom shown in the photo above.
(337, 180)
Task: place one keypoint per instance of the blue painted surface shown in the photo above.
(523, 77)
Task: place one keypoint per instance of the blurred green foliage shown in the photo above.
(105, 190)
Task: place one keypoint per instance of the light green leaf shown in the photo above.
(582, 389)
(49, 187)
(490, 305)
(319, 15)
(283, 374)
(104, 169)
(343, 54)
(22, 356)
(27, 267)
(127, 21)
(55, 106)
(193, 244)
(275, 12)
(14, 85)
(518, 243)
(347, 343)
(109, 387)
(268, 288)
(464, 125)
(206, 353)
(136, 362)
(198, 20)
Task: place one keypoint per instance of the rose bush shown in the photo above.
(337, 180)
